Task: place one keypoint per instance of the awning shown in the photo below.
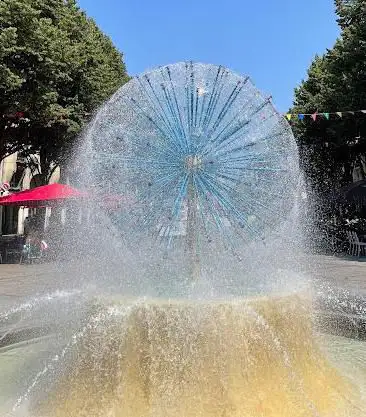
(45, 195)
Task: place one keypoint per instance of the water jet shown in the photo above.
(210, 175)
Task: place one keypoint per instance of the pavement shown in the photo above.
(342, 283)
(20, 282)
(348, 273)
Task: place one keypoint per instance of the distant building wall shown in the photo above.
(14, 170)
(8, 167)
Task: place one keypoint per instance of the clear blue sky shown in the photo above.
(272, 41)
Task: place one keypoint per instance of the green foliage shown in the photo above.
(331, 149)
(349, 12)
(56, 68)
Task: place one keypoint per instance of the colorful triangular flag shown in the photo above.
(326, 115)
(301, 116)
(314, 115)
(288, 116)
(340, 114)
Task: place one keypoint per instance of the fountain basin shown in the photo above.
(245, 357)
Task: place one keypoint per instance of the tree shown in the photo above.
(56, 68)
(331, 149)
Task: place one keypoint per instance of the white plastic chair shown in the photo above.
(356, 247)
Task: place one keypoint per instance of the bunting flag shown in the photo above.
(325, 115)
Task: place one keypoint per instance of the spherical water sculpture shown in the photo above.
(202, 163)
(199, 155)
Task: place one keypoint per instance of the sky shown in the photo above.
(272, 41)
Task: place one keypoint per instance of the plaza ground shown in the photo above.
(22, 282)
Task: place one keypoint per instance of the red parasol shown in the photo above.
(42, 196)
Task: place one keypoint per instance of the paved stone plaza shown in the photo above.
(340, 272)
(19, 282)
(25, 339)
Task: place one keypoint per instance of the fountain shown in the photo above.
(188, 299)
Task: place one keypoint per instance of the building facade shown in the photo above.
(18, 173)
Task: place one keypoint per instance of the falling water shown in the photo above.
(195, 303)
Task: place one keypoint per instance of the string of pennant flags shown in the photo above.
(288, 116)
(325, 115)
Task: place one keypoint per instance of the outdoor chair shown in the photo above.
(30, 253)
(356, 247)
(12, 253)
(13, 250)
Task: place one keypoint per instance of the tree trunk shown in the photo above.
(45, 166)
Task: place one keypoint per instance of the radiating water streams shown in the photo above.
(188, 299)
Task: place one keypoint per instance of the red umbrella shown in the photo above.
(42, 196)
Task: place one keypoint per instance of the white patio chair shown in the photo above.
(356, 247)
(350, 242)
